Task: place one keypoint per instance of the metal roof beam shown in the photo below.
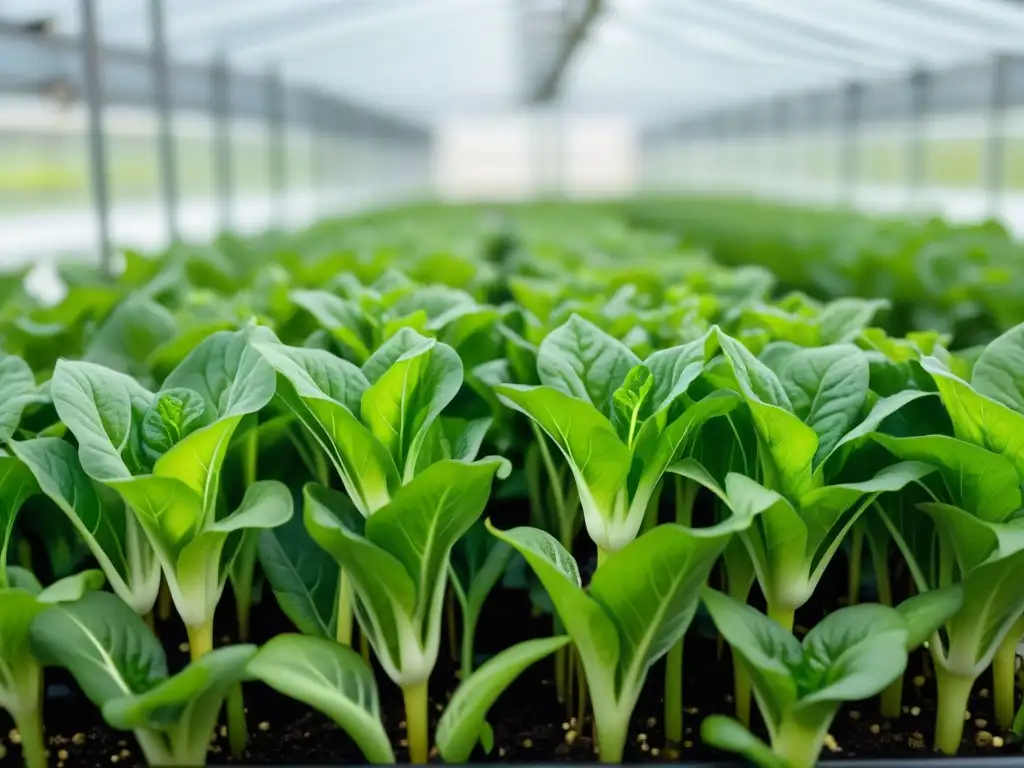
(549, 79)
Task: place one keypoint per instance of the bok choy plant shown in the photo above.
(638, 605)
(849, 655)
(120, 665)
(397, 560)
(22, 599)
(337, 681)
(163, 452)
(619, 422)
(808, 422)
(967, 527)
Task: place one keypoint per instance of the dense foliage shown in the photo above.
(382, 418)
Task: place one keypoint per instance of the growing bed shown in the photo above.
(432, 485)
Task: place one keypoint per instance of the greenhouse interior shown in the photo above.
(511, 381)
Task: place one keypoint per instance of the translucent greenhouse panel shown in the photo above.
(955, 151)
(1013, 159)
(883, 155)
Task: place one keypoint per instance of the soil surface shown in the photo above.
(529, 724)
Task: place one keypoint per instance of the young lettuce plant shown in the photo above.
(22, 598)
(397, 561)
(337, 681)
(120, 665)
(618, 422)
(806, 422)
(851, 654)
(163, 452)
(638, 605)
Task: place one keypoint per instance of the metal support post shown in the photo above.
(781, 124)
(97, 137)
(995, 141)
(277, 151)
(223, 162)
(316, 156)
(164, 100)
(917, 171)
(849, 146)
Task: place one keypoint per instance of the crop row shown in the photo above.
(300, 410)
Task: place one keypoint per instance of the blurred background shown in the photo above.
(133, 122)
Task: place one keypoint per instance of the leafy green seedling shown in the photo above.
(638, 605)
(477, 565)
(120, 665)
(618, 422)
(21, 673)
(163, 452)
(852, 654)
(807, 420)
(335, 680)
(397, 561)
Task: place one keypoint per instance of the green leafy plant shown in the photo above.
(120, 665)
(851, 654)
(618, 422)
(637, 606)
(397, 561)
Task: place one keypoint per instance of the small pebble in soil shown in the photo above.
(655, 752)
(854, 714)
(501, 751)
(875, 728)
(403, 742)
(919, 681)
(641, 737)
(687, 745)
(223, 731)
(916, 740)
(570, 737)
(125, 754)
(183, 647)
(997, 741)
(831, 745)
(3, 751)
(967, 716)
(983, 693)
(981, 722)
(645, 747)
(62, 755)
(78, 739)
(651, 722)
(526, 743)
(114, 758)
(264, 726)
(14, 736)
(915, 711)
(983, 739)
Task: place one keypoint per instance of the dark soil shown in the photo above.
(529, 724)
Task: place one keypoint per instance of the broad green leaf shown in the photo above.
(173, 415)
(464, 718)
(982, 482)
(582, 361)
(316, 373)
(827, 388)
(127, 337)
(196, 461)
(303, 576)
(728, 734)
(72, 588)
(103, 643)
(424, 519)
(676, 368)
(999, 370)
(344, 319)
(598, 459)
(465, 437)
(592, 632)
(96, 404)
(169, 511)
(841, 320)
(400, 406)
(17, 484)
(18, 386)
(331, 678)
(924, 613)
(881, 411)
(757, 381)
(477, 564)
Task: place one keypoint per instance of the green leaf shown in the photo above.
(597, 458)
(72, 587)
(477, 564)
(629, 399)
(592, 632)
(982, 482)
(124, 341)
(827, 388)
(464, 718)
(465, 437)
(925, 613)
(334, 680)
(583, 362)
(999, 370)
(103, 643)
(303, 576)
(344, 319)
(729, 735)
(401, 405)
(676, 368)
(96, 404)
(428, 515)
(174, 415)
(16, 486)
(841, 320)
(19, 388)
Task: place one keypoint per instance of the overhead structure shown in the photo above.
(554, 33)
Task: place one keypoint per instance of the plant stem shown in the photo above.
(782, 615)
(581, 693)
(674, 694)
(238, 730)
(200, 640)
(891, 702)
(611, 738)
(453, 630)
(416, 723)
(33, 746)
(1004, 679)
(150, 622)
(570, 681)
(364, 647)
(741, 690)
(853, 566)
(466, 654)
(344, 629)
(798, 744)
(954, 693)
(602, 555)
(163, 603)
